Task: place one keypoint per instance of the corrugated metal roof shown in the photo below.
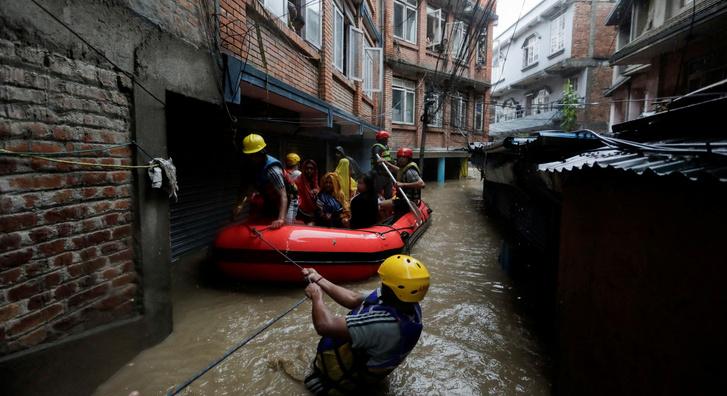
(693, 167)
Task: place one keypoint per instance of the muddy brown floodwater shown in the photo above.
(477, 338)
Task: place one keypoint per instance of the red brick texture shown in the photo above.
(66, 263)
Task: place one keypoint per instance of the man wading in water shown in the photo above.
(358, 351)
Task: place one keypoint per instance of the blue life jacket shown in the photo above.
(346, 368)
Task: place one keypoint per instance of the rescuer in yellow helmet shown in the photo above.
(357, 351)
(271, 181)
(291, 165)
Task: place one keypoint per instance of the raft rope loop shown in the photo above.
(249, 338)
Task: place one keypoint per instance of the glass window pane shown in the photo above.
(397, 99)
(409, 115)
(313, 23)
(399, 20)
(411, 24)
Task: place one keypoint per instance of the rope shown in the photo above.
(232, 350)
(30, 155)
(249, 338)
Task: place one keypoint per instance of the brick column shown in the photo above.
(388, 33)
(325, 74)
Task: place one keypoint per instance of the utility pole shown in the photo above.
(428, 102)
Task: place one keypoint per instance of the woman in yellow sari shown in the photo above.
(348, 184)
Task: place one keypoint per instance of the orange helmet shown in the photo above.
(405, 152)
(380, 135)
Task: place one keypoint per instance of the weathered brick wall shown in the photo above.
(287, 56)
(66, 260)
(581, 29)
(342, 94)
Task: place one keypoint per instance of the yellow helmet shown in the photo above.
(252, 143)
(292, 159)
(407, 277)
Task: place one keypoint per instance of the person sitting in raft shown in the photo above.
(407, 177)
(271, 182)
(345, 172)
(333, 209)
(365, 205)
(291, 165)
(357, 351)
(307, 185)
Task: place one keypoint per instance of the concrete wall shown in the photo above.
(532, 23)
(85, 251)
(640, 288)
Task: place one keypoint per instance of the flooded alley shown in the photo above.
(477, 339)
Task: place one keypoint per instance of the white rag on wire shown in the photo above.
(170, 171)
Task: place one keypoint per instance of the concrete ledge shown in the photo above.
(75, 365)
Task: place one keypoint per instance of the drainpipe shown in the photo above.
(591, 54)
(379, 121)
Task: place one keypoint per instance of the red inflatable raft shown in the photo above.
(339, 255)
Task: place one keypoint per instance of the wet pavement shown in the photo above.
(478, 337)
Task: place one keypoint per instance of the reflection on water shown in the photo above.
(475, 341)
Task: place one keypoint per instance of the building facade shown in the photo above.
(664, 49)
(557, 42)
(349, 68)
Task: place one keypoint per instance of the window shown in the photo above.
(436, 110)
(355, 53)
(312, 17)
(373, 64)
(496, 58)
(459, 45)
(482, 48)
(434, 27)
(541, 101)
(338, 38)
(573, 83)
(279, 8)
(403, 101)
(557, 34)
(459, 111)
(530, 55)
(479, 112)
(509, 110)
(405, 20)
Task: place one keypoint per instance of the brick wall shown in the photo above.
(65, 233)
(343, 93)
(581, 29)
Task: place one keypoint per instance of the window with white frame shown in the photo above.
(436, 109)
(355, 53)
(557, 34)
(405, 20)
(530, 53)
(435, 23)
(373, 64)
(459, 44)
(338, 38)
(403, 101)
(279, 8)
(312, 29)
(541, 101)
(479, 114)
(459, 111)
